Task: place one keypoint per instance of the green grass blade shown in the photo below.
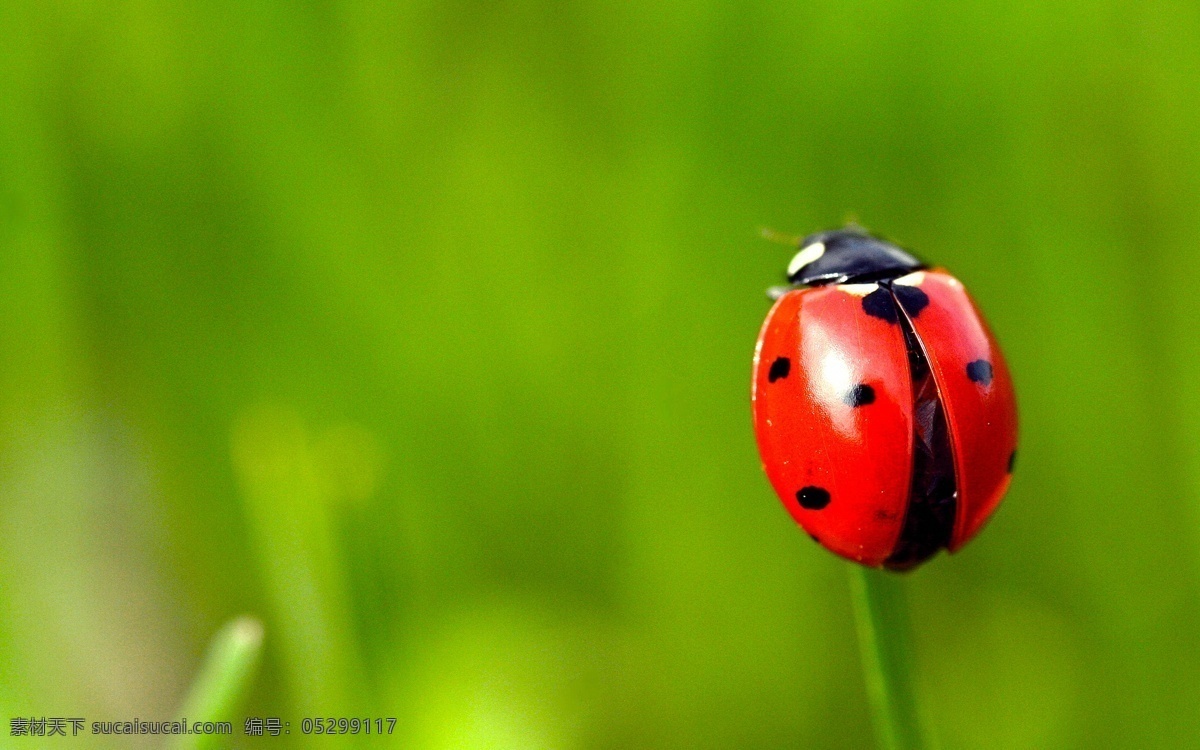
(224, 679)
(885, 638)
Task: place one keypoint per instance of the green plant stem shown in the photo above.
(224, 679)
(885, 639)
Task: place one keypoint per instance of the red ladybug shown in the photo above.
(883, 408)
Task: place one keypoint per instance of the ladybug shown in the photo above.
(883, 408)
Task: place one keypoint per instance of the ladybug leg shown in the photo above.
(775, 292)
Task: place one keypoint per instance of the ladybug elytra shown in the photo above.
(883, 408)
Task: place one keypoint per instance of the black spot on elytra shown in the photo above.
(879, 304)
(912, 299)
(1012, 460)
(813, 498)
(779, 369)
(861, 395)
(980, 371)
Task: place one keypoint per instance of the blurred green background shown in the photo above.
(423, 331)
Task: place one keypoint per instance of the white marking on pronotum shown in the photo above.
(858, 290)
(805, 256)
(916, 278)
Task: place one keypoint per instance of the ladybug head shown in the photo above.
(848, 256)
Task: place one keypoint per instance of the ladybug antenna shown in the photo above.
(780, 238)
